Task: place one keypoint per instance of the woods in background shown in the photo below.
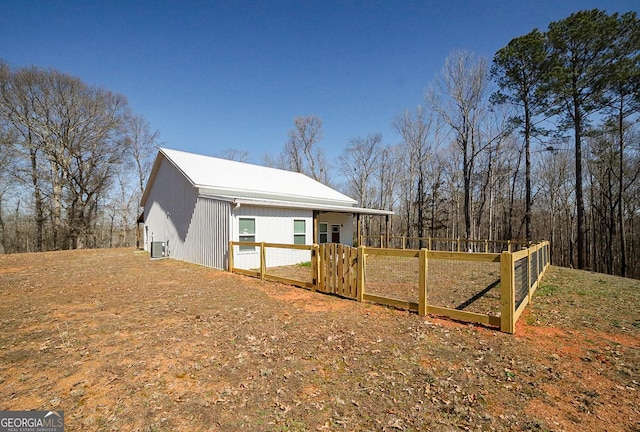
(542, 142)
(74, 160)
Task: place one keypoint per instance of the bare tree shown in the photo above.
(491, 162)
(417, 131)
(459, 96)
(359, 163)
(234, 155)
(388, 180)
(301, 152)
(70, 139)
(141, 145)
(6, 185)
(19, 100)
(556, 204)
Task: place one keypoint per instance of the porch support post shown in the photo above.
(315, 227)
(359, 229)
(386, 229)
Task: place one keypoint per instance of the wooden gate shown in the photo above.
(338, 269)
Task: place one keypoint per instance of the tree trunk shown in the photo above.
(623, 246)
(56, 204)
(37, 200)
(3, 246)
(580, 234)
(420, 209)
(527, 174)
(467, 192)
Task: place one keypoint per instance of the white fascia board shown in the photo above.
(297, 205)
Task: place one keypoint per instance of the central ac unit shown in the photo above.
(158, 250)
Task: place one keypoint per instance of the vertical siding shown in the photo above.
(273, 225)
(208, 238)
(169, 209)
(196, 229)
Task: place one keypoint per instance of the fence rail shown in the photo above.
(447, 244)
(258, 265)
(333, 268)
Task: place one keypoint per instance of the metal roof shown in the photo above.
(254, 184)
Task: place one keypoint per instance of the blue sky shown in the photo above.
(217, 75)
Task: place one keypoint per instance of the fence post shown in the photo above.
(548, 254)
(361, 279)
(422, 282)
(507, 293)
(315, 266)
(230, 262)
(323, 260)
(486, 246)
(539, 262)
(263, 261)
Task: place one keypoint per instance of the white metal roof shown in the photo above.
(215, 176)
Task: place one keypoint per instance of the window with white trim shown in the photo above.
(299, 231)
(247, 233)
(323, 232)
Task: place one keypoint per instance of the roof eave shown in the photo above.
(327, 207)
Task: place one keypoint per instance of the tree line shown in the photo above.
(542, 142)
(73, 162)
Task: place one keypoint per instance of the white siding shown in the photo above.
(207, 241)
(195, 229)
(273, 225)
(198, 229)
(345, 220)
(168, 210)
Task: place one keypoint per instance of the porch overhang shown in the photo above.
(320, 207)
(316, 207)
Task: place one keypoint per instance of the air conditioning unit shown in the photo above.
(158, 249)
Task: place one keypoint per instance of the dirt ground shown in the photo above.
(469, 286)
(124, 343)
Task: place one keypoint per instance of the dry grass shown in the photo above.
(469, 286)
(120, 342)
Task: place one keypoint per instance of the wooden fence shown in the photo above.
(445, 244)
(336, 268)
(264, 272)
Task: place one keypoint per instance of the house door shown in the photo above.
(335, 233)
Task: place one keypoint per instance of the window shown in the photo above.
(247, 233)
(335, 233)
(299, 232)
(323, 232)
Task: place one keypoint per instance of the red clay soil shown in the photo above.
(122, 342)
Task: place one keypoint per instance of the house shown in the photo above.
(195, 205)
